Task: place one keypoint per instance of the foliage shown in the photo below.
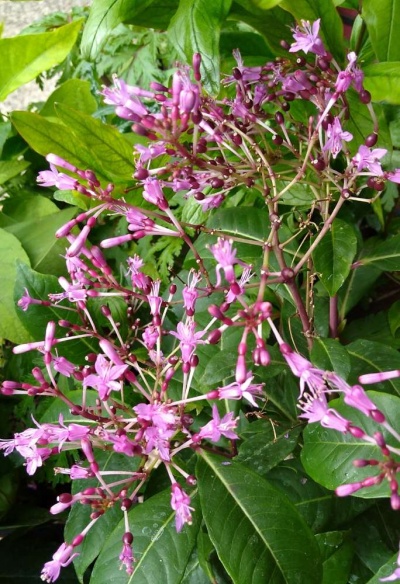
(225, 230)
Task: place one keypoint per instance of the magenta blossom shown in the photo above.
(336, 136)
(307, 39)
(107, 377)
(61, 559)
(218, 426)
(368, 159)
(189, 339)
(180, 503)
(245, 390)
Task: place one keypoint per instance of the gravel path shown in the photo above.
(16, 16)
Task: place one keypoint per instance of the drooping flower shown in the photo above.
(189, 339)
(180, 503)
(352, 75)
(336, 136)
(61, 559)
(246, 390)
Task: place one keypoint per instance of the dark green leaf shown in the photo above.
(161, 553)
(385, 570)
(195, 28)
(337, 554)
(394, 317)
(266, 445)
(383, 16)
(385, 256)
(158, 17)
(330, 355)
(334, 254)
(371, 357)
(328, 455)
(11, 250)
(25, 57)
(257, 532)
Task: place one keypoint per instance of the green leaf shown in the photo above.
(371, 357)
(158, 17)
(257, 532)
(265, 445)
(11, 168)
(25, 57)
(255, 5)
(334, 254)
(20, 208)
(383, 16)
(330, 355)
(38, 240)
(337, 552)
(45, 136)
(331, 28)
(382, 81)
(328, 455)
(385, 570)
(385, 256)
(75, 93)
(273, 24)
(56, 407)
(195, 28)
(161, 553)
(360, 123)
(394, 317)
(11, 250)
(113, 154)
(37, 316)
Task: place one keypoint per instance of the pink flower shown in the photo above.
(63, 366)
(61, 559)
(189, 292)
(311, 378)
(218, 427)
(315, 409)
(126, 557)
(154, 299)
(307, 39)
(180, 503)
(226, 258)
(188, 339)
(245, 390)
(153, 193)
(336, 137)
(107, 378)
(352, 75)
(369, 159)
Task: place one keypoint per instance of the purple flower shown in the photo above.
(218, 427)
(61, 559)
(245, 390)
(126, 557)
(180, 503)
(352, 75)
(154, 299)
(53, 178)
(63, 366)
(153, 193)
(225, 255)
(107, 378)
(315, 409)
(189, 292)
(378, 377)
(307, 39)
(336, 136)
(311, 378)
(26, 300)
(369, 159)
(189, 339)
(393, 175)
(357, 398)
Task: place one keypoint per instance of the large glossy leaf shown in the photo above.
(108, 146)
(328, 455)
(75, 93)
(11, 250)
(273, 24)
(38, 240)
(258, 534)
(158, 17)
(331, 27)
(25, 57)
(383, 16)
(385, 256)
(385, 570)
(36, 318)
(337, 553)
(334, 254)
(79, 515)
(20, 208)
(265, 444)
(382, 81)
(104, 16)
(330, 355)
(45, 136)
(372, 357)
(161, 553)
(195, 28)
